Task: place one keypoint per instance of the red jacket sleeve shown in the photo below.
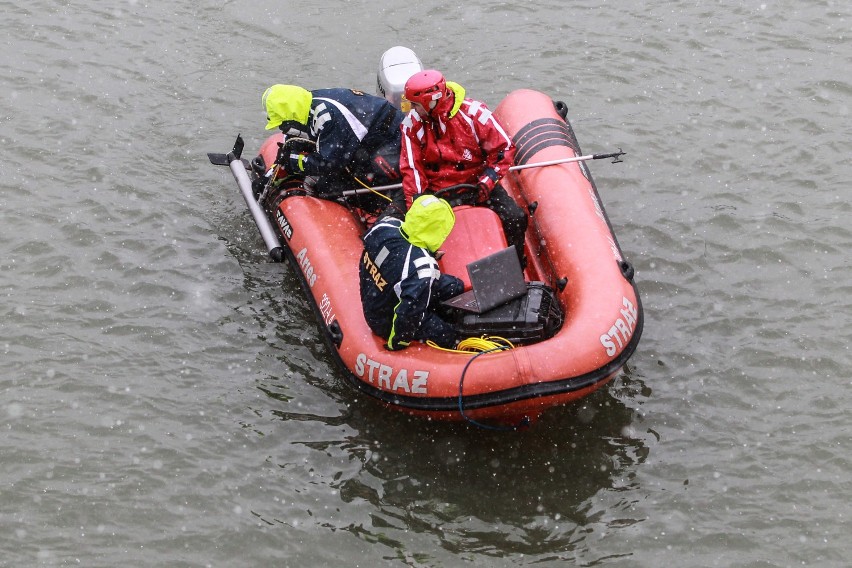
(414, 180)
(494, 141)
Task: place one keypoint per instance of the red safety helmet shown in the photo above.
(426, 88)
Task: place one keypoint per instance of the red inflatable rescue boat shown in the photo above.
(578, 324)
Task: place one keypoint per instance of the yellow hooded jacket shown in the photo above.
(285, 103)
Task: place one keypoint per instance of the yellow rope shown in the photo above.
(382, 195)
(476, 344)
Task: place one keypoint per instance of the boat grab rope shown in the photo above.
(480, 346)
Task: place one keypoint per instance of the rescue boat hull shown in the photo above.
(570, 245)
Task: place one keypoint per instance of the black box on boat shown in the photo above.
(530, 318)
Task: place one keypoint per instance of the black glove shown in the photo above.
(299, 146)
(486, 184)
(292, 154)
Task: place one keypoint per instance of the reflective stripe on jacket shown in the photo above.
(344, 121)
(397, 281)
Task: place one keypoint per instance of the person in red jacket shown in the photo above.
(448, 139)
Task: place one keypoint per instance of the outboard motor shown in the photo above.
(396, 66)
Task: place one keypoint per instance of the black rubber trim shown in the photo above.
(540, 134)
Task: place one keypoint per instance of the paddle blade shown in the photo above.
(218, 159)
(238, 146)
(222, 160)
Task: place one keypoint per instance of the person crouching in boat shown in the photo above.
(356, 136)
(401, 286)
(448, 139)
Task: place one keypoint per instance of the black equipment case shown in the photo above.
(530, 318)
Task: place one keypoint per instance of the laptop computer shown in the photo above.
(495, 280)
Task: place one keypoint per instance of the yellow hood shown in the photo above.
(428, 223)
(286, 103)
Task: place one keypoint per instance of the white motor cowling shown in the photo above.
(396, 66)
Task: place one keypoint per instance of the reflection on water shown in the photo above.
(542, 492)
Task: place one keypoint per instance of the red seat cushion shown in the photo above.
(477, 233)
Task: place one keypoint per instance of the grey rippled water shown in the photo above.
(167, 399)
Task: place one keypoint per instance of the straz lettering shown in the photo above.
(373, 271)
(384, 376)
(307, 267)
(284, 224)
(621, 330)
(326, 310)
